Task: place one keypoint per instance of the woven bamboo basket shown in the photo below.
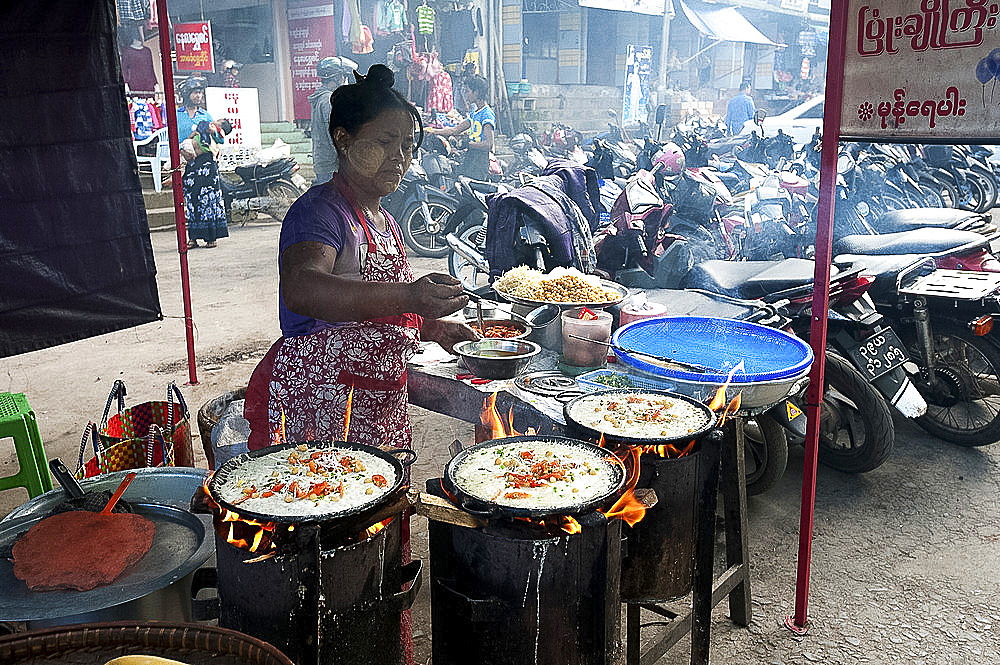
(209, 415)
(97, 643)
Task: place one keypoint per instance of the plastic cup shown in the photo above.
(581, 352)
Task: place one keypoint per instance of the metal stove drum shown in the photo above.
(513, 586)
(324, 588)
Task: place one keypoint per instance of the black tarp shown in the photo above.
(75, 254)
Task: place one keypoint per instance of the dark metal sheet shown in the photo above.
(166, 486)
(182, 543)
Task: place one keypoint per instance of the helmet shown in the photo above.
(231, 64)
(521, 143)
(334, 66)
(191, 84)
(670, 159)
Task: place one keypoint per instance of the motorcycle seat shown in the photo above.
(917, 241)
(751, 279)
(917, 218)
(252, 172)
(884, 269)
(483, 187)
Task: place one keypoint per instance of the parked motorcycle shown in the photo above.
(269, 188)
(856, 431)
(421, 209)
(945, 320)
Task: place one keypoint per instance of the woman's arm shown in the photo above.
(450, 131)
(309, 288)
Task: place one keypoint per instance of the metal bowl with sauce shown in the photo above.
(497, 358)
(502, 328)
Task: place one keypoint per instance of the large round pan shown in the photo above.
(397, 458)
(620, 292)
(585, 431)
(490, 509)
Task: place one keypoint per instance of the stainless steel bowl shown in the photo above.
(497, 358)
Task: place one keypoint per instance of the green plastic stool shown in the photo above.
(17, 421)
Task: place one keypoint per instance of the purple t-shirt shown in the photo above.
(323, 215)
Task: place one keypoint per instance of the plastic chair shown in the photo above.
(157, 161)
(17, 421)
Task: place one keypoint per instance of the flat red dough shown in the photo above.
(80, 549)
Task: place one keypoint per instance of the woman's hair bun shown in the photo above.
(379, 76)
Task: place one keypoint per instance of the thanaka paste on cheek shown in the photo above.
(366, 157)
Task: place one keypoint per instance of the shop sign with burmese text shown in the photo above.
(925, 70)
(193, 46)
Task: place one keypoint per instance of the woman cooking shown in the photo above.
(351, 313)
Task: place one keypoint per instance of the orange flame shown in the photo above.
(570, 525)
(499, 427)
(668, 450)
(731, 408)
(243, 532)
(719, 399)
(347, 413)
(375, 528)
(627, 507)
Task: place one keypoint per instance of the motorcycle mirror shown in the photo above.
(661, 113)
(761, 114)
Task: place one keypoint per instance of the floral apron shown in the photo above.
(309, 378)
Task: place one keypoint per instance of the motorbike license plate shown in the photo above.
(299, 181)
(880, 353)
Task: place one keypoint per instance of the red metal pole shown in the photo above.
(821, 300)
(175, 181)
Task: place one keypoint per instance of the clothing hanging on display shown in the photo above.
(390, 16)
(425, 25)
(366, 43)
(145, 116)
(133, 10)
(457, 34)
(354, 12)
(439, 97)
(137, 68)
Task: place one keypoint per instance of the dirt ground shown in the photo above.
(904, 557)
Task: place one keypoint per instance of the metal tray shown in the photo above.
(611, 286)
(166, 486)
(183, 542)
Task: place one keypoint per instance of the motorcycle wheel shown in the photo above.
(765, 452)
(988, 184)
(929, 198)
(964, 408)
(423, 242)
(893, 201)
(855, 431)
(946, 190)
(284, 193)
(471, 230)
(974, 197)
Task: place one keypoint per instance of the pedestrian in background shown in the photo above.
(203, 202)
(333, 72)
(481, 124)
(741, 108)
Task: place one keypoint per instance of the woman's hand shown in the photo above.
(436, 295)
(446, 333)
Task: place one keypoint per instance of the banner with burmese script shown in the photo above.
(922, 71)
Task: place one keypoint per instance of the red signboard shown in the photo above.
(312, 35)
(193, 44)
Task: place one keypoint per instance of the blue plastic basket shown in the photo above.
(719, 344)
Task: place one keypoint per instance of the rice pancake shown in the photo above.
(639, 415)
(307, 481)
(80, 549)
(535, 475)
